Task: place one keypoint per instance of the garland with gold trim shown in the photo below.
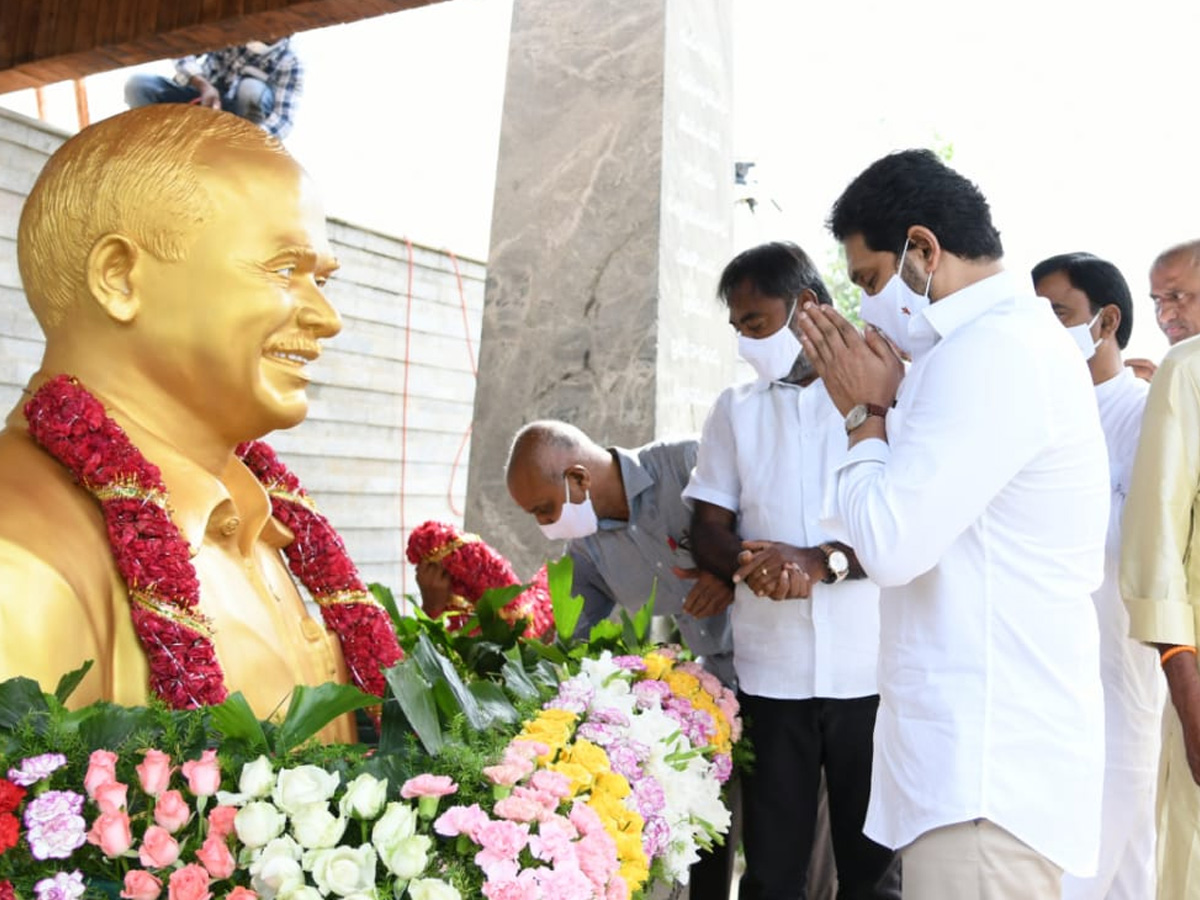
(154, 559)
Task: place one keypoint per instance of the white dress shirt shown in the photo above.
(982, 518)
(767, 453)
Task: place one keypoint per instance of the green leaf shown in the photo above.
(441, 672)
(109, 725)
(70, 681)
(641, 621)
(312, 708)
(560, 576)
(237, 722)
(605, 631)
(19, 697)
(492, 625)
(384, 596)
(412, 692)
(494, 708)
(515, 677)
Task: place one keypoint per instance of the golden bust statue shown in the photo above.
(175, 258)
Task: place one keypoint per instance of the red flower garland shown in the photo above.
(11, 796)
(155, 561)
(474, 567)
(6, 891)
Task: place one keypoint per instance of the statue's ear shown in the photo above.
(110, 276)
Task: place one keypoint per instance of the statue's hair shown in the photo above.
(536, 440)
(136, 174)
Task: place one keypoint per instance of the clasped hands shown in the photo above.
(770, 569)
(855, 367)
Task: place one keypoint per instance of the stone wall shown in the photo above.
(390, 406)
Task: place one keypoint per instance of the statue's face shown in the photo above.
(230, 329)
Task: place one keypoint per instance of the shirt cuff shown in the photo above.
(1162, 622)
(870, 450)
(710, 495)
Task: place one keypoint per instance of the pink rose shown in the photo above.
(220, 820)
(188, 883)
(241, 893)
(203, 774)
(111, 796)
(110, 832)
(154, 772)
(171, 812)
(428, 786)
(158, 848)
(102, 768)
(141, 885)
(216, 857)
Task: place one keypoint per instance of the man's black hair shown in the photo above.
(1099, 279)
(914, 187)
(778, 269)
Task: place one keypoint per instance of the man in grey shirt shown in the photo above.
(626, 529)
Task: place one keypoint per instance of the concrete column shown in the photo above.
(612, 221)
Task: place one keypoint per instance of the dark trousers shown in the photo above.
(793, 740)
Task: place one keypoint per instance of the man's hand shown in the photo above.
(208, 94)
(779, 571)
(709, 596)
(855, 369)
(433, 581)
(1142, 368)
(1183, 680)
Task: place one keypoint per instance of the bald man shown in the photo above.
(1175, 290)
(626, 529)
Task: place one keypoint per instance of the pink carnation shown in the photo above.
(596, 855)
(522, 886)
(554, 842)
(428, 786)
(565, 883)
(503, 839)
(507, 773)
(461, 820)
(554, 783)
(586, 819)
(527, 749)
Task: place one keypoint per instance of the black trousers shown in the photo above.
(792, 741)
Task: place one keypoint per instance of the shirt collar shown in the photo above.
(636, 481)
(943, 318)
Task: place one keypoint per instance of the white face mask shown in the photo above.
(893, 308)
(575, 520)
(1082, 335)
(773, 356)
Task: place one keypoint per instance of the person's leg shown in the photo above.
(252, 100)
(822, 868)
(866, 870)
(1012, 870)
(142, 90)
(779, 796)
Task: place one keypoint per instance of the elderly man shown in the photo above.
(1160, 581)
(1092, 300)
(1175, 290)
(976, 495)
(175, 258)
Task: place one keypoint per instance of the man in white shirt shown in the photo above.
(976, 496)
(805, 666)
(1092, 299)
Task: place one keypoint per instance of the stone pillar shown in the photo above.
(612, 221)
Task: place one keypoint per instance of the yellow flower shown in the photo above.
(612, 784)
(580, 777)
(683, 684)
(657, 665)
(588, 755)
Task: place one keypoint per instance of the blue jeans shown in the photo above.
(249, 98)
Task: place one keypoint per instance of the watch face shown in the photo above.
(838, 562)
(856, 417)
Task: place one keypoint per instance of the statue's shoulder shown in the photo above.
(45, 515)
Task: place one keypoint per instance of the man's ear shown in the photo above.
(926, 244)
(581, 476)
(1110, 320)
(110, 276)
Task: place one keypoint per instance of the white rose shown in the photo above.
(364, 797)
(303, 786)
(257, 778)
(342, 870)
(369, 895)
(432, 889)
(315, 826)
(399, 821)
(274, 875)
(258, 822)
(407, 858)
(300, 892)
(281, 846)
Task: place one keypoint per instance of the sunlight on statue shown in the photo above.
(175, 259)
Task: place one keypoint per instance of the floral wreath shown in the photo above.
(154, 559)
(475, 567)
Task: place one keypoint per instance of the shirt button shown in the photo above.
(230, 526)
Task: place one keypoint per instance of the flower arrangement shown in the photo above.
(475, 567)
(601, 776)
